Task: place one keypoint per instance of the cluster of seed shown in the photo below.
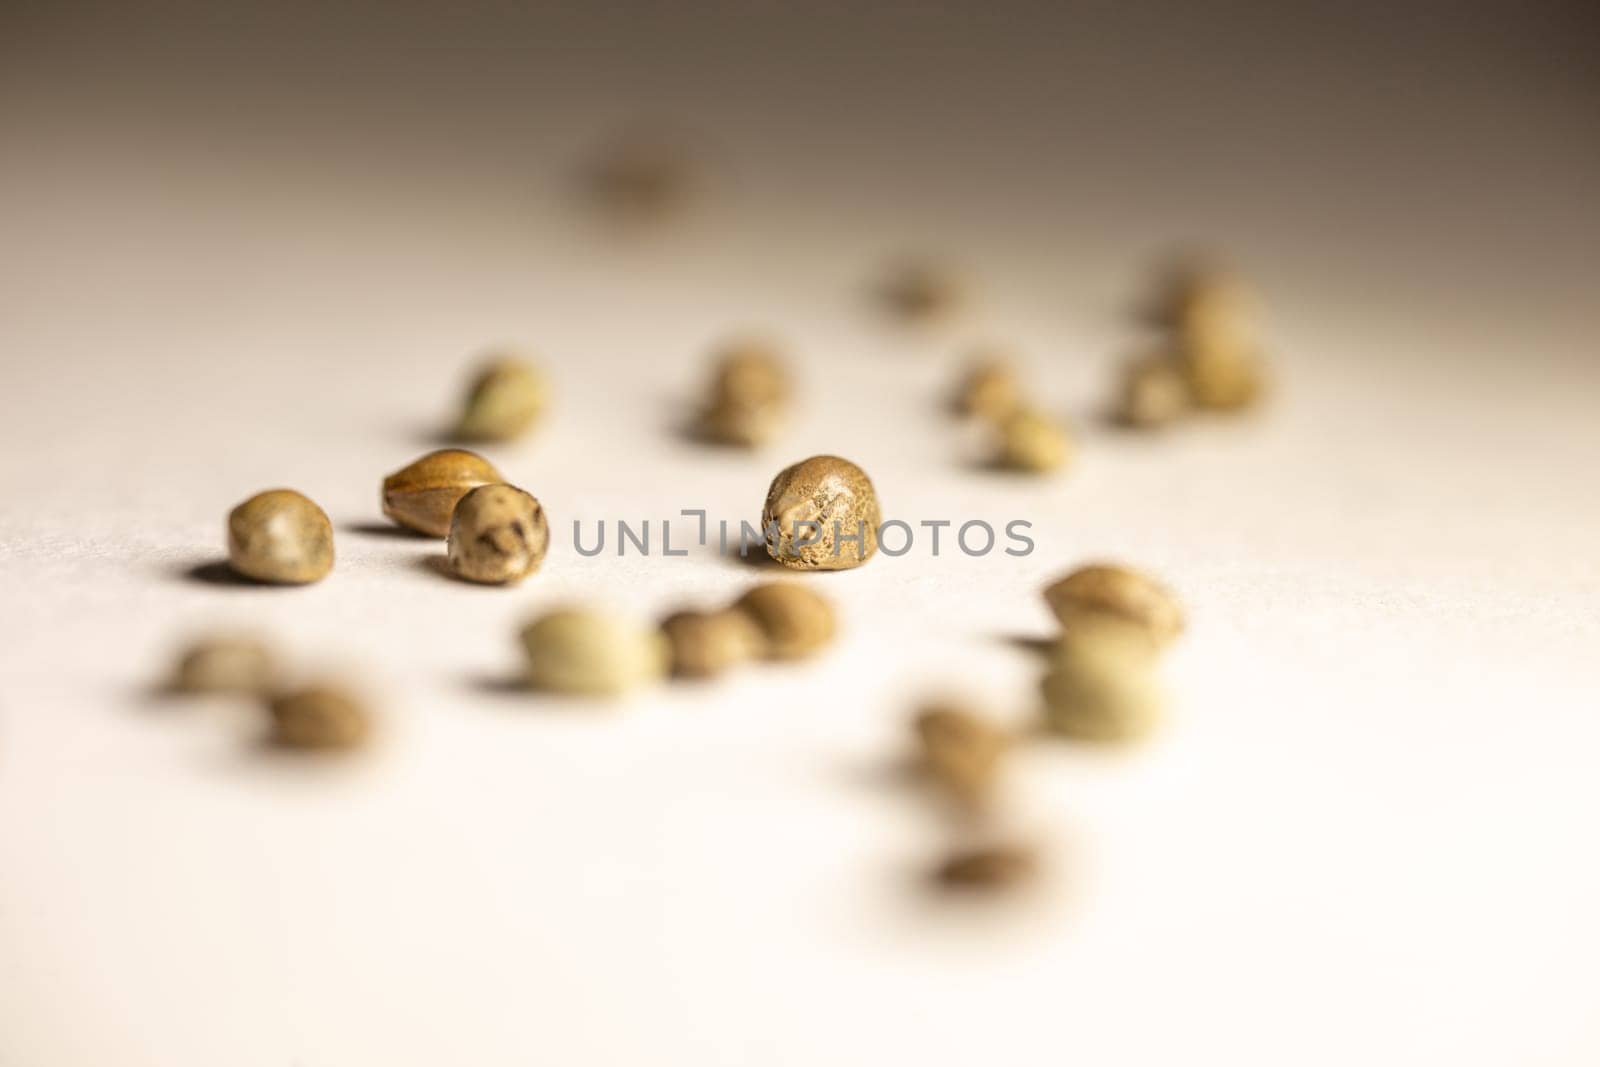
(1023, 438)
(1207, 355)
(321, 716)
(748, 400)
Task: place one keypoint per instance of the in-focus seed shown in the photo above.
(280, 536)
(997, 866)
(1108, 589)
(1032, 442)
(590, 653)
(793, 621)
(825, 513)
(423, 495)
(1102, 684)
(506, 397)
(319, 717)
(235, 664)
(961, 751)
(498, 534)
(706, 643)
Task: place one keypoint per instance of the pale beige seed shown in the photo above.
(280, 536)
(989, 388)
(923, 291)
(498, 534)
(821, 514)
(1102, 683)
(987, 867)
(423, 495)
(590, 653)
(1110, 589)
(1220, 381)
(229, 664)
(1154, 392)
(706, 643)
(745, 427)
(793, 621)
(961, 752)
(319, 717)
(750, 373)
(644, 179)
(1032, 442)
(507, 395)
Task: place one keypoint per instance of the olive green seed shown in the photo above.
(228, 664)
(590, 653)
(498, 535)
(280, 536)
(1102, 683)
(793, 621)
(821, 514)
(506, 397)
(422, 496)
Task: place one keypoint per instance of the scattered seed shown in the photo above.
(235, 664)
(793, 621)
(1032, 442)
(961, 751)
(826, 515)
(998, 866)
(423, 495)
(498, 534)
(1102, 683)
(1218, 380)
(319, 717)
(923, 291)
(589, 653)
(989, 389)
(749, 396)
(643, 179)
(1108, 589)
(506, 397)
(280, 536)
(1154, 392)
(706, 643)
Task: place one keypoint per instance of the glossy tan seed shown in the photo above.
(793, 621)
(1032, 442)
(829, 502)
(507, 396)
(1154, 393)
(1102, 684)
(280, 536)
(705, 643)
(583, 652)
(1109, 589)
(498, 535)
(987, 867)
(422, 496)
(320, 717)
(232, 664)
(989, 388)
(961, 752)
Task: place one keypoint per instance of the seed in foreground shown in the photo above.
(1032, 442)
(706, 643)
(1102, 683)
(998, 866)
(319, 717)
(506, 397)
(1121, 592)
(230, 664)
(961, 751)
(498, 534)
(793, 621)
(423, 495)
(821, 514)
(280, 536)
(590, 653)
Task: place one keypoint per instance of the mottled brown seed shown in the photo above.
(962, 752)
(989, 388)
(821, 514)
(1154, 392)
(706, 643)
(319, 717)
(997, 866)
(793, 621)
(1109, 589)
(590, 653)
(498, 534)
(506, 397)
(280, 536)
(1102, 683)
(423, 495)
(1032, 442)
(233, 664)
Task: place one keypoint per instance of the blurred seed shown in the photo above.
(423, 495)
(989, 388)
(749, 395)
(506, 397)
(1102, 684)
(1108, 589)
(498, 534)
(988, 867)
(319, 717)
(826, 513)
(643, 179)
(961, 751)
(793, 621)
(590, 653)
(1218, 381)
(1154, 392)
(923, 291)
(706, 643)
(1032, 442)
(235, 664)
(280, 536)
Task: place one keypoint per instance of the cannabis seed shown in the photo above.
(235, 664)
(423, 495)
(319, 717)
(793, 621)
(505, 398)
(1220, 380)
(987, 867)
(1032, 442)
(1154, 392)
(705, 643)
(498, 534)
(1102, 683)
(749, 396)
(961, 752)
(923, 291)
(589, 653)
(821, 514)
(989, 388)
(280, 536)
(1107, 589)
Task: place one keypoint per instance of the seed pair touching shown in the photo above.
(320, 716)
(497, 534)
(1102, 682)
(773, 621)
(821, 514)
(1208, 356)
(1024, 439)
(749, 397)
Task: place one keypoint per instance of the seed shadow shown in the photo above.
(1039, 646)
(218, 572)
(392, 531)
(500, 685)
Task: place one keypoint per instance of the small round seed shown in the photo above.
(236, 664)
(745, 427)
(498, 534)
(989, 389)
(1107, 589)
(1032, 442)
(706, 643)
(750, 373)
(826, 515)
(1102, 683)
(961, 751)
(923, 291)
(1154, 393)
(423, 495)
(1220, 380)
(280, 536)
(506, 396)
(589, 653)
(997, 866)
(793, 621)
(319, 717)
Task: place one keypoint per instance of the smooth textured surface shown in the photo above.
(1366, 834)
